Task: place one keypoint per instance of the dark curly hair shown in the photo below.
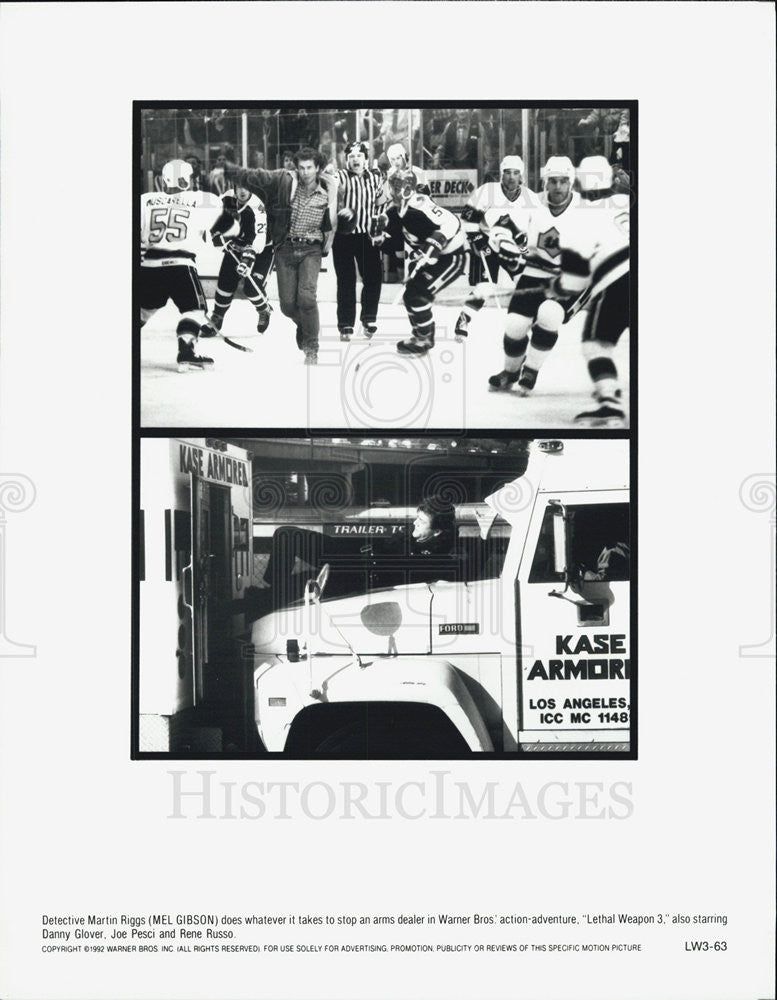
(306, 153)
(441, 512)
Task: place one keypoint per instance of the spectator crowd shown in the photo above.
(443, 138)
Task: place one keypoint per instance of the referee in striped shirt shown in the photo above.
(360, 191)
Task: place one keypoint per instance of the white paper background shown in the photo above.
(84, 829)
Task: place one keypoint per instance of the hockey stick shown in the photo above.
(493, 289)
(228, 340)
(486, 271)
(489, 294)
(257, 288)
(234, 343)
(250, 277)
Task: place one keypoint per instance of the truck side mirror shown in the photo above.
(595, 596)
(560, 562)
(560, 540)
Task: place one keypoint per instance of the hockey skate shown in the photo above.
(210, 328)
(212, 325)
(311, 357)
(189, 361)
(503, 381)
(608, 414)
(416, 347)
(346, 332)
(600, 396)
(527, 380)
(461, 330)
(370, 329)
(263, 318)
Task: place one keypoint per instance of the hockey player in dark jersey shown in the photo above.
(245, 259)
(439, 243)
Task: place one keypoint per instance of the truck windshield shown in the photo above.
(370, 557)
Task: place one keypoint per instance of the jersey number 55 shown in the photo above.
(169, 224)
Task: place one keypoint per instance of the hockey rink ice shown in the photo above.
(363, 384)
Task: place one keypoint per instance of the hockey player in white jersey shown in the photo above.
(437, 239)
(399, 160)
(533, 320)
(241, 232)
(595, 275)
(172, 223)
(492, 200)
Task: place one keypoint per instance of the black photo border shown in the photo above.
(631, 434)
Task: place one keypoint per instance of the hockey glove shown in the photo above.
(236, 247)
(505, 228)
(513, 240)
(511, 256)
(511, 246)
(246, 262)
(378, 226)
(478, 242)
(217, 239)
(556, 291)
(431, 251)
(471, 214)
(346, 220)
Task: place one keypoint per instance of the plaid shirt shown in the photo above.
(307, 214)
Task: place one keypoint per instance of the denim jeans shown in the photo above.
(297, 268)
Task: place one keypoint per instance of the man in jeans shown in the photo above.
(301, 214)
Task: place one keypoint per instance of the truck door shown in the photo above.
(211, 587)
(572, 617)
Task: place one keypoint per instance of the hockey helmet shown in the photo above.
(559, 166)
(177, 174)
(594, 173)
(511, 163)
(402, 184)
(397, 154)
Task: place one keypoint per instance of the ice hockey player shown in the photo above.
(240, 231)
(171, 226)
(595, 275)
(533, 319)
(437, 239)
(502, 197)
(398, 160)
